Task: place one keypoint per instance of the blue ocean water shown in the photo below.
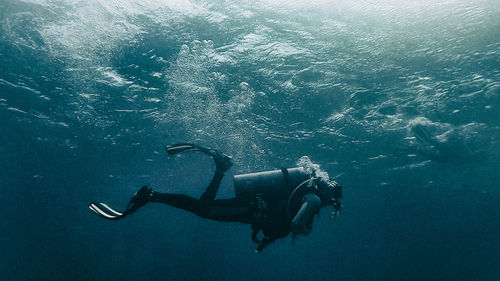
(397, 100)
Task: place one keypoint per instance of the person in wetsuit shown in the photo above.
(275, 202)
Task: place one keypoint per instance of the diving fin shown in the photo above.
(180, 147)
(106, 212)
(222, 161)
(139, 199)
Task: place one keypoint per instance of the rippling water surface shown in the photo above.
(398, 100)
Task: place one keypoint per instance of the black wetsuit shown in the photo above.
(226, 210)
(273, 202)
(273, 220)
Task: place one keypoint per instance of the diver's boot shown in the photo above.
(139, 199)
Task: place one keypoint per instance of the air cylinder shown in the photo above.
(276, 182)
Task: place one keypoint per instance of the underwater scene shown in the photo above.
(397, 101)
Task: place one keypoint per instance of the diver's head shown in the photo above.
(330, 193)
(328, 190)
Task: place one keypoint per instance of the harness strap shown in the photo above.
(255, 232)
(257, 227)
(286, 176)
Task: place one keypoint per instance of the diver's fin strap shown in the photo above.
(106, 212)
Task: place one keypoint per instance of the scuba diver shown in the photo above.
(275, 202)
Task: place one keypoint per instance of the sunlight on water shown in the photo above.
(397, 100)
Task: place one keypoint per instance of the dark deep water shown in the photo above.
(398, 100)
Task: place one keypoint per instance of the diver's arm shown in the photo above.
(302, 222)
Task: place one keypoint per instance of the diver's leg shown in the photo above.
(231, 210)
(188, 203)
(226, 210)
(180, 201)
(222, 164)
(212, 188)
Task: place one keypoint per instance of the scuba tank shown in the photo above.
(272, 192)
(269, 184)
